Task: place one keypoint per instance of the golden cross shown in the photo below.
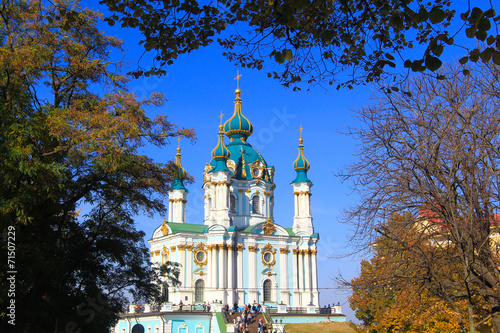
(178, 142)
(221, 115)
(300, 130)
(237, 78)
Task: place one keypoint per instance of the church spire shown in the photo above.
(301, 164)
(177, 193)
(238, 126)
(302, 220)
(220, 153)
(180, 172)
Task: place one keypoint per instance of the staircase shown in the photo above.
(253, 325)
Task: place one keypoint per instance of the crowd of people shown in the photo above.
(246, 318)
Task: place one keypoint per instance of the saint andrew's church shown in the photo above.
(239, 254)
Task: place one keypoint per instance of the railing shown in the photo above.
(292, 310)
(141, 308)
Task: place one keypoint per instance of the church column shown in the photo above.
(240, 270)
(170, 210)
(222, 266)
(210, 265)
(301, 269)
(230, 273)
(189, 266)
(314, 259)
(307, 274)
(214, 266)
(252, 255)
(284, 275)
(182, 261)
(241, 199)
(296, 292)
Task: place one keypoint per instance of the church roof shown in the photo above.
(245, 158)
(180, 172)
(301, 164)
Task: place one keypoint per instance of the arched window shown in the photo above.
(165, 292)
(267, 290)
(256, 205)
(198, 290)
(232, 204)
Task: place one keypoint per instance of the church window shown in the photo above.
(267, 290)
(198, 290)
(256, 205)
(232, 204)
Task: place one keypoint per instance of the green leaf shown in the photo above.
(432, 63)
(437, 15)
(470, 32)
(463, 60)
(486, 54)
(496, 57)
(287, 54)
(278, 56)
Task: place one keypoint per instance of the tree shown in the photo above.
(434, 153)
(314, 41)
(65, 148)
(396, 289)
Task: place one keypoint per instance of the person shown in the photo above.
(180, 306)
(208, 307)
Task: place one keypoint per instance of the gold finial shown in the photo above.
(300, 131)
(178, 145)
(237, 78)
(221, 115)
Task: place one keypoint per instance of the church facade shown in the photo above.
(239, 253)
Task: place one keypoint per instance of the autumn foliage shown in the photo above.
(71, 170)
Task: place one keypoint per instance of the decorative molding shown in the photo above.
(240, 247)
(284, 251)
(181, 247)
(252, 248)
(268, 257)
(268, 227)
(314, 252)
(295, 251)
(164, 228)
(189, 247)
(248, 190)
(173, 248)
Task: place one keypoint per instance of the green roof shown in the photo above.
(186, 227)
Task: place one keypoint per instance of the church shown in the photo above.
(240, 254)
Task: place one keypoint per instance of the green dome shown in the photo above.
(180, 173)
(301, 165)
(221, 151)
(238, 125)
(220, 154)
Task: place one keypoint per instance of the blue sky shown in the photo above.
(201, 84)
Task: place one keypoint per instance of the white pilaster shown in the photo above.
(252, 257)
(182, 262)
(222, 266)
(284, 275)
(214, 266)
(239, 272)
(300, 255)
(189, 266)
(230, 274)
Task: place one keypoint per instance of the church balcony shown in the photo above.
(167, 307)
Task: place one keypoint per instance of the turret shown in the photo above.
(302, 220)
(217, 182)
(177, 193)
